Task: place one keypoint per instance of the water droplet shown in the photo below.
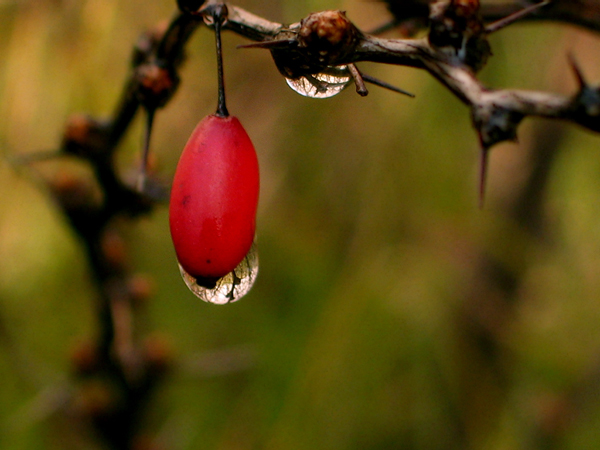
(321, 85)
(229, 288)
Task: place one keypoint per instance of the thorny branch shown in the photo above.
(454, 49)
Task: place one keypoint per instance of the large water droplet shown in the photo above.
(229, 288)
(321, 85)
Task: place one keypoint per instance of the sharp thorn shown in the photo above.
(577, 70)
(383, 84)
(143, 174)
(501, 23)
(275, 44)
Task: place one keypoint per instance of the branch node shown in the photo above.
(495, 123)
(457, 30)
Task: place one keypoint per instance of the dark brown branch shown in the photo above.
(452, 61)
(583, 13)
(115, 356)
(252, 26)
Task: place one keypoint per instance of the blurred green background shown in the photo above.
(389, 312)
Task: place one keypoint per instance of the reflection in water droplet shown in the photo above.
(232, 286)
(321, 85)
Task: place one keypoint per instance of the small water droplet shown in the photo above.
(229, 288)
(321, 85)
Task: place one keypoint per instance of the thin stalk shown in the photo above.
(219, 14)
(143, 175)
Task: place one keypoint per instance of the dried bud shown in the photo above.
(156, 84)
(74, 191)
(458, 29)
(85, 358)
(158, 354)
(324, 40)
(95, 398)
(114, 249)
(145, 442)
(327, 36)
(84, 136)
(554, 412)
(468, 9)
(140, 288)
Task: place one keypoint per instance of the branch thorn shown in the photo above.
(270, 45)
(143, 174)
(501, 23)
(383, 84)
(577, 70)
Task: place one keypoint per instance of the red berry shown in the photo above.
(214, 198)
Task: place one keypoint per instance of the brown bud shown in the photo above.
(78, 128)
(146, 442)
(84, 136)
(466, 8)
(95, 398)
(156, 84)
(75, 191)
(327, 36)
(458, 30)
(555, 412)
(158, 353)
(140, 288)
(114, 249)
(85, 358)
(324, 40)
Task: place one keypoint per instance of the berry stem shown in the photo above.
(219, 14)
(142, 176)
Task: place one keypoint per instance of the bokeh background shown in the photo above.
(390, 311)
